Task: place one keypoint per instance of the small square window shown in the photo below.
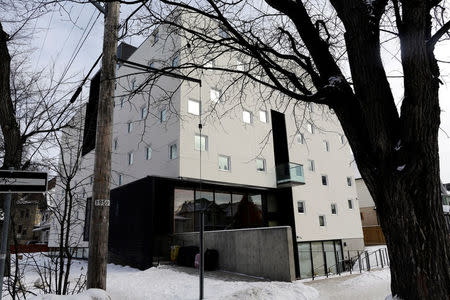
(201, 142)
(311, 165)
(130, 126)
(173, 151)
(143, 113)
(120, 179)
(326, 145)
(261, 164)
(333, 209)
(130, 158)
(194, 107)
(322, 221)
(301, 207)
(224, 163)
(324, 180)
(247, 117)
(148, 153)
(350, 203)
(263, 116)
(214, 95)
(163, 115)
(300, 138)
(349, 181)
(310, 127)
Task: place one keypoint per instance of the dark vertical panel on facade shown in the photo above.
(280, 141)
(90, 122)
(87, 220)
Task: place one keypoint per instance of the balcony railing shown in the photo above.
(290, 174)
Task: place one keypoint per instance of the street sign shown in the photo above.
(22, 182)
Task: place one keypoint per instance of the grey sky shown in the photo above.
(58, 44)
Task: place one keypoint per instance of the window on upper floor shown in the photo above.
(247, 117)
(214, 95)
(155, 35)
(223, 33)
(311, 107)
(176, 60)
(194, 107)
(326, 145)
(129, 126)
(130, 158)
(201, 142)
(333, 209)
(224, 163)
(143, 112)
(301, 209)
(310, 127)
(300, 138)
(324, 180)
(350, 203)
(261, 164)
(116, 143)
(173, 151)
(349, 181)
(210, 63)
(263, 116)
(342, 138)
(133, 83)
(163, 115)
(322, 221)
(240, 65)
(122, 100)
(311, 165)
(120, 179)
(148, 153)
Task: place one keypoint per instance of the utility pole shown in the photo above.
(98, 233)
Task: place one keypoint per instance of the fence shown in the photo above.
(76, 252)
(329, 263)
(28, 248)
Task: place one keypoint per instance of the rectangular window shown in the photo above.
(342, 138)
(176, 61)
(300, 138)
(301, 207)
(91, 180)
(311, 165)
(163, 115)
(349, 181)
(116, 143)
(143, 113)
(194, 107)
(129, 126)
(222, 32)
(326, 144)
(148, 153)
(120, 179)
(333, 209)
(322, 221)
(173, 151)
(247, 117)
(122, 100)
(261, 164)
(155, 36)
(210, 63)
(263, 116)
(311, 107)
(201, 142)
(214, 95)
(130, 158)
(224, 163)
(350, 203)
(310, 127)
(133, 83)
(324, 180)
(239, 65)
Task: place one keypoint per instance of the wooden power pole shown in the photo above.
(98, 236)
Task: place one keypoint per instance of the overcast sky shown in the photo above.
(57, 45)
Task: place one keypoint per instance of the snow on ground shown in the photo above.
(169, 282)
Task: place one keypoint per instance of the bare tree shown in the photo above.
(330, 53)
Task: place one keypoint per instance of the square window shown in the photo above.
(214, 95)
(130, 158)
(300, 138)
(350, 203)
(261, 164)
(310, 127)
(201, 142)
(349, 181)
(326, 145)
(224, 163)
(247, 117)
(143, 113)
(173, 151)
(148, 153)
(263, 116)
(311, 165)
(333, 209)
(324, 180)
(301, 207)
(322, 221)
(129, 126)
(163, 115)
(194, 107)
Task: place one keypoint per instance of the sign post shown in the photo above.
(16, 182)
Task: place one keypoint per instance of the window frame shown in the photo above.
(303, 206)
(148, 152)
(326, 179)
(199, 107)
(206, 142)
(335, 209)
(310, 127)
(144, 112)
(327, 145)
(349, 181)
(129, 126)
(219, 92)
(350, 204)
(228, 162)
(324, 221)
(171, 157)
(311, 165)
(264, 164)
(264, 112)
(163, 115)
(250, 115)
(300, 138)
(130, 158)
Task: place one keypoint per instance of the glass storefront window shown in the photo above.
(330, 256)
(317, 255)
(183, 210)
(304, 257)
(247, 211)
(223, 210)
(204, 201)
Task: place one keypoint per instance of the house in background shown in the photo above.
(373, 235)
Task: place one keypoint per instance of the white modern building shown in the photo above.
(259, 160)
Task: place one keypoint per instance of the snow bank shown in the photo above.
(91, 294)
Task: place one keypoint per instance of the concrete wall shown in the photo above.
(264, 252)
